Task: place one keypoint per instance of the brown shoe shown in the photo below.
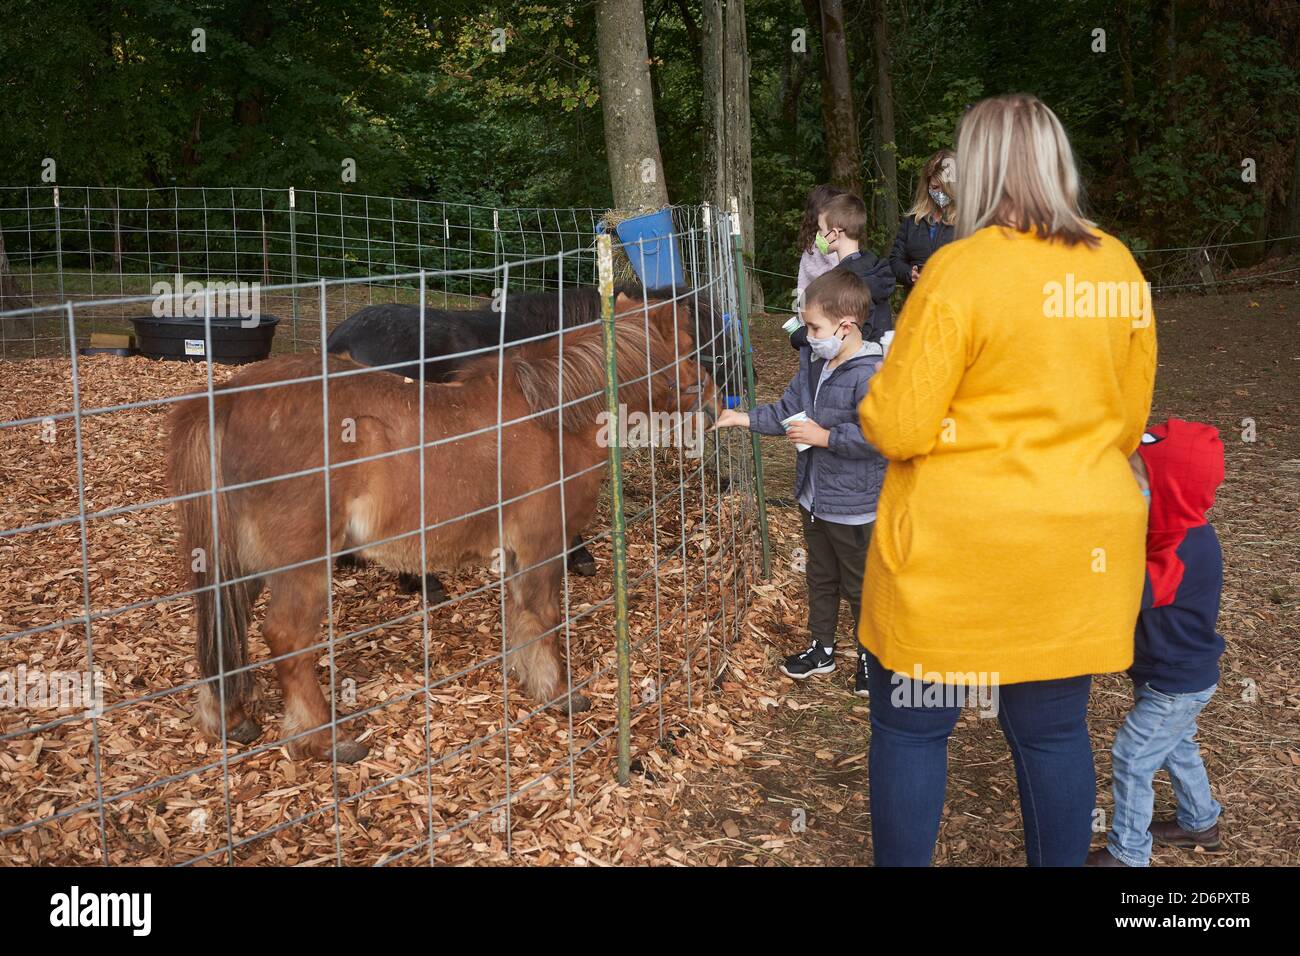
(1103, 857)
(1169, 833)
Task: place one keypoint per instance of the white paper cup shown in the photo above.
(787, 422)
(791, 324)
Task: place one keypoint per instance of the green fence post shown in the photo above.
(293, 262)
(605, 261)
(751, 397)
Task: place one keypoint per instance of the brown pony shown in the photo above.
(268, 432)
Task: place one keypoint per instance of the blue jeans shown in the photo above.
(1160, 731)
(1045, 724)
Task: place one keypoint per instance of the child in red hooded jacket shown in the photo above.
(1176, 649)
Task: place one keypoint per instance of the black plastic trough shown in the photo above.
(234, 340)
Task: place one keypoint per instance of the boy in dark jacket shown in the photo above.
(837, 474)
(1176, 654)
(839, 229)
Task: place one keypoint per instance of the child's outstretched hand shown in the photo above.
(808, 432)
(731, 419)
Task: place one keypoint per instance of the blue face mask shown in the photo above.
(940, 198)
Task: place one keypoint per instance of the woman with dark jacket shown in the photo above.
(929, 223)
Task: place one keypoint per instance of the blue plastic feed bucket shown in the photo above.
(652, 249)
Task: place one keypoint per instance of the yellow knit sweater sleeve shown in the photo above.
(908, 398)
(1138, 378)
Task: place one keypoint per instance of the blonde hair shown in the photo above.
(1017, 169)
(942, 164)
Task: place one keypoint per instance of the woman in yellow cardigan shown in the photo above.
(1007, 561)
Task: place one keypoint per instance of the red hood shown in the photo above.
(1184, 463)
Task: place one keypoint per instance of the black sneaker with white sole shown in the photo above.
(815, 660)
(860, 679)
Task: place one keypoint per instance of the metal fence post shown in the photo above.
(293, 263)
(58, 243)
(605, 263)
(751, 397)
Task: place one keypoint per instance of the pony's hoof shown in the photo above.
(246, 732)
(581, 562)
(349, 751)
(410, 584)
(573, 704)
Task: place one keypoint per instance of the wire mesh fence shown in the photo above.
(98, 245)
(312, 711)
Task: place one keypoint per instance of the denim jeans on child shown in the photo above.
(1160, 731)
(1045, 724)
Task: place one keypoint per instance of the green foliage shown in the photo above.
(429, 104)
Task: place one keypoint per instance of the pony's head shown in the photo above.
(655, 365)
(714, 332)
(678, 381)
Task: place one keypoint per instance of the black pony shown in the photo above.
(388, 333)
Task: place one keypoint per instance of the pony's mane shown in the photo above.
(537, 366)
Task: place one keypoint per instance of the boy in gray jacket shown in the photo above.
(837, 474)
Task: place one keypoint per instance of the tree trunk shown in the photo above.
(250, 106)
(886, 147)
(1164, 62)
(1128, 96)
(1291, 224)
(190, 148)
(842, 145)
(1258, 250)
(1164, 54)
(692, 33)
(797, 72)
(631, 140)
(730, 171)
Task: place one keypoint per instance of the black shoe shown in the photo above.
(860, 680)
(815, 660)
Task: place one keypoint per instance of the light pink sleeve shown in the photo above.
(812, 264)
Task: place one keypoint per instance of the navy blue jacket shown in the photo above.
(848, 474)
(913, 246)
(876, 275)
(1176, 647)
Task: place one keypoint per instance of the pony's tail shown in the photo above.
(221, 630)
